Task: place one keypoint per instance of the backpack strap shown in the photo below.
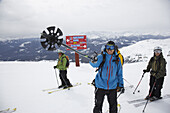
(117, 59)
(102, 63)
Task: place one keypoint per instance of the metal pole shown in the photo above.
(149, 95)
(131, 86)
(138, 83)
(56, 77)
(120, 94)
(86, 56)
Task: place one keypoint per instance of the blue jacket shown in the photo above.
(111, 72)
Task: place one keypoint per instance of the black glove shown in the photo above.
(94, 57)
(55, 67)
(153, 72)
(157, 77)
(118, 89)
(94, 60)
(122, 89)
(145, 71)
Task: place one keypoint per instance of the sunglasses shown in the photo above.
(111, 47)
(157, 51)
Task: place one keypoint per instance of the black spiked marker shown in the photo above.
(50, 37)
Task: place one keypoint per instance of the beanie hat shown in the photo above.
(110, 43)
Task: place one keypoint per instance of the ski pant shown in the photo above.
(63, 77)
(99, 98)
(158, 86)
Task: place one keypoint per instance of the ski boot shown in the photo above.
(148, 97)
(155, 98)
(61, 86)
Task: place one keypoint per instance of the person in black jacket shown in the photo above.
(157, 69)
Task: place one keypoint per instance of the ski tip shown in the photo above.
(14, 109)
(7, 109)
(49, 92)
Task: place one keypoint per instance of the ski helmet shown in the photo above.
(157, 48)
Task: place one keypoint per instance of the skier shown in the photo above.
(61, 66)
(107, 78)
(157, 69)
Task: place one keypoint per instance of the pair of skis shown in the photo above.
(52, 90)
(141, 102)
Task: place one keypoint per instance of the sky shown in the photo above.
(26, 18)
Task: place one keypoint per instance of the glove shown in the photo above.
(94, 57)
(157, 77)
(118, 89)
(55, 67)
(122, 89)
(145, 71)
(93, 82)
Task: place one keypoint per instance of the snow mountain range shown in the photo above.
(30, 49)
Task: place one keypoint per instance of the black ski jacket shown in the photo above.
(157, 66)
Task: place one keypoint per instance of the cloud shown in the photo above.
(30, 17)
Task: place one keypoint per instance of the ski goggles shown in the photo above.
(111, 47)
(157, 51)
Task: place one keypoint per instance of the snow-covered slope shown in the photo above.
(21, 86)
(143, 50)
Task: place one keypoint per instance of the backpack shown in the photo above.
(67, 62)
(121, 58)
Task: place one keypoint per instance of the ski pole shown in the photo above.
(56, 77)
(120, 94)
(131, 86)
(138, 83)
(149, 96)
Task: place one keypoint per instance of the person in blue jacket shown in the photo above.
(109, 76)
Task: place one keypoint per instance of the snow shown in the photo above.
(23, 44)
(21, 86)
(145, 48)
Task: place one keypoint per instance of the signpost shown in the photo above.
(77, 42)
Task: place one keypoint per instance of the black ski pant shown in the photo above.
(99, 98)
(63, 77)
(158, 86)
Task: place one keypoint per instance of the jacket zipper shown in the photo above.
(109, 72)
